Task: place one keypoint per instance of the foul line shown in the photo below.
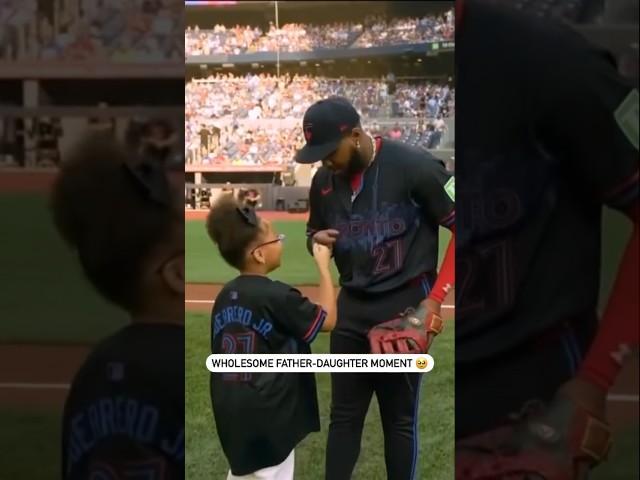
(623, 398)
(35, 386)
(211, 302)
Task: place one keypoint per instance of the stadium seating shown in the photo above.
(372, 32)
(254, 119)
(151, 31)
(274, 145)
(268, 97)
(82, 30)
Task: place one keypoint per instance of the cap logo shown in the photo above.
(344, 127)
(307, 131)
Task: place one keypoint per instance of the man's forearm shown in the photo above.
(446, 275)
(617, 336)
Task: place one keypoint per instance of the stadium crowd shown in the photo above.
(239, 145)
(267, 96)
(372, 32)
(272, 145)
(218, 108)
(407, 31)
(126, 31)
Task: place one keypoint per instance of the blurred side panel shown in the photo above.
(64, 73)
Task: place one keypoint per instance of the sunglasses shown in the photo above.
(279, 238)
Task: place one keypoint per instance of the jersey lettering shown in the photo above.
(391, 220)
(240, 316)
(357, 228)
(174, 447)
(388, 257)
(482, 212)
(488, 270)
(238, 343)
(116, 417)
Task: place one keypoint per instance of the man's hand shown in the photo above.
(586, 394)
(412, 332)
(326, 237)
(432, 306)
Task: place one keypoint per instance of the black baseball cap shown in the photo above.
(325, 124)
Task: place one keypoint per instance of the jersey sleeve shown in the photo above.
(296, 313)
(591, 121)
(316, 222)
(433, 188)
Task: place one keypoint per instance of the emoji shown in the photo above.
(421, 363)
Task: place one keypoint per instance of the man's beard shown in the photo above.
(357, 163)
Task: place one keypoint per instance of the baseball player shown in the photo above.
(534, 362)
(261, 417)
(124, 415)
(379, 204)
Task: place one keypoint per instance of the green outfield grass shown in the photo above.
(43, 295)
(30, 444)
(623, 462)
(204, 264)
(204, 455)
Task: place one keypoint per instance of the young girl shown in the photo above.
(261, 417)
(124, 410)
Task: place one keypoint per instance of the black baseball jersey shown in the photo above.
(389, 226)
(548, 132)
(124, 416)
(261, 417)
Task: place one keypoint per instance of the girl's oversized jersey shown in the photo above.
(124, 415)
(261, 417)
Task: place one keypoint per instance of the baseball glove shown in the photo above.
(411, 332)
(561, 441)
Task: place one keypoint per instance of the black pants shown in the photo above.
(489, 391)
(351, 393)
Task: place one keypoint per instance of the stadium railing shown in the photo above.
(74, 123)
(318, 55)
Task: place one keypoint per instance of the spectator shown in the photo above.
(295, 37)
(252, 198)
(256, 117)
(263, 96)
(47, 133)
(127, 31)
(159, 140)
(396, 132)
(227, 189)
(103, 123)
(382, 32)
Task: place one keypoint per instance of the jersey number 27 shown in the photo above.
(238, 343)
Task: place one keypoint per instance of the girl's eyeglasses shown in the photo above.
(279, 238)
